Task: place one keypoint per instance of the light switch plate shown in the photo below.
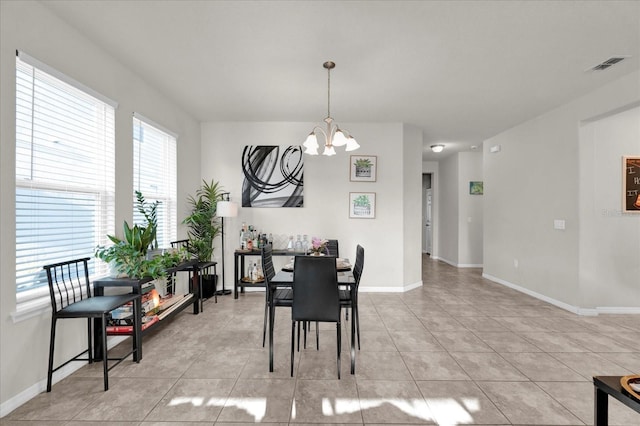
(558, 224)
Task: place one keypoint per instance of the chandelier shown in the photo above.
(333, 135)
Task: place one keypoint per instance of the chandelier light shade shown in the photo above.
(437, 148)
(333, 136)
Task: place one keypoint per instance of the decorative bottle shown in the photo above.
(253, 275)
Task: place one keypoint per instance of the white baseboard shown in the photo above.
(458, 265)
(41, 386)
(567, 307)
(618, 310)
(405, 288)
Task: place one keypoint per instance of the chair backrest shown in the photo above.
(315, 289)
(358, 266)
(179, 244)
(267, 263)
(68, 282)
(332, 248)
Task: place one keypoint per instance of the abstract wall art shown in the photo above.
(273, 176)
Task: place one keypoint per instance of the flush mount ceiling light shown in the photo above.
(437, 148)
(333, 136)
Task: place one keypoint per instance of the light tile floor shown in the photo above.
(459, 350)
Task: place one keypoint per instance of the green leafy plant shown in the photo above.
(362, 201)
(363, 163)
(150, 213)
(129, 255)
(130, 260)
(202, 222)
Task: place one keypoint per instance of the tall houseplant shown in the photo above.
(202, 222)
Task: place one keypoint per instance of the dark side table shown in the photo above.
(605, 386)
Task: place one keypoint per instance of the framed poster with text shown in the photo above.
(631, 184)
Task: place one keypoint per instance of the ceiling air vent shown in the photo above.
(609, 62)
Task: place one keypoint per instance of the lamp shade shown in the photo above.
(352, 145)
(329, 151)
(339, 138)
(227, 209)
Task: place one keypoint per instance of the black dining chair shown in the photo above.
(349, 297)
(315, 297)
(71, 298)
(280, 296)
(332, 248)
(180, 244)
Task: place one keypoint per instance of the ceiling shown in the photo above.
(461, 71)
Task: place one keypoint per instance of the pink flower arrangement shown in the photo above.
(318, 245)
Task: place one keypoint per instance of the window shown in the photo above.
(154, 175)
(64, 175)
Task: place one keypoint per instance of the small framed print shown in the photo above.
(362, 205)
(363, 168)
(476, 188)
(631, 184)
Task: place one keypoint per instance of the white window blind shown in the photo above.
(64, 176)
(154, 175)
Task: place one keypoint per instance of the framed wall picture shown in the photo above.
(476, 188)
(362, 205)
(273, 176)
(363, 168)
(631, 184)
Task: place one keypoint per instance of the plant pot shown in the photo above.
(363, 171)
(209, 285)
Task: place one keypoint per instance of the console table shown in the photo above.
(603, 387)
(194, 268)
(238, 267)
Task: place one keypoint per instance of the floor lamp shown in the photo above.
(225, 208)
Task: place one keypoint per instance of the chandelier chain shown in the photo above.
(328, 92)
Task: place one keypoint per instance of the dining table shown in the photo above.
(283, 279)
(342, 265)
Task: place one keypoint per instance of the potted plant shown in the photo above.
(129, 256)
(204, 227)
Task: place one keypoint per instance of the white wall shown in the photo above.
(30, 27)
(609, 239)
(326, 194)
(470, 214)
(412, 205)
(460, 228)
(448, 207)
(535, 179)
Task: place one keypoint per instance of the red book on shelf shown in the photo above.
(128, 329)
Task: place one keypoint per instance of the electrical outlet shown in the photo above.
(515, 263)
